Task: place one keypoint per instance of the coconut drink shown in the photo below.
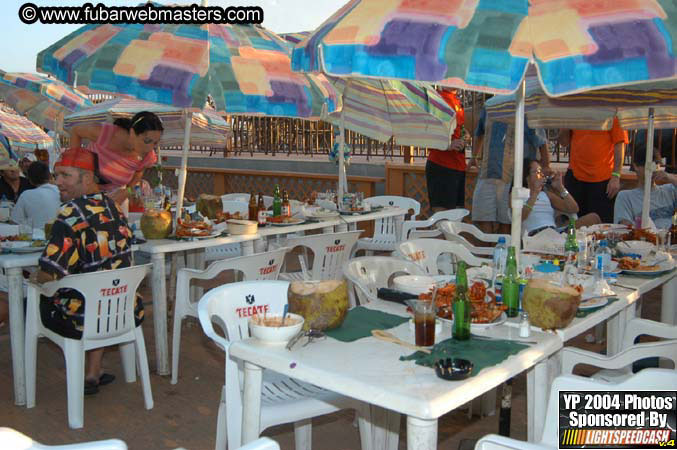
(550, 306)
(156, 223)
(323, 304)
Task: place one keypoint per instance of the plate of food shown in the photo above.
(634, 266)
(593, 302)
(604, 227)
(282, 221)
(195, 229)
(321, 214)
(485, 312)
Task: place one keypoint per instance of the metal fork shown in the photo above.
(314, 335)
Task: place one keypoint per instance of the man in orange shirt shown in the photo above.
(445, 169)
(595, 162)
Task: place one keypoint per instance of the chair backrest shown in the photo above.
(109, 297)
(452, 232)
(646, 380)
(260, 266)
(12, 439)
(425, 252)
(330, 251)
(384, 229)
(454, 215)
(236, 206)
(368, 273)
(244, 197)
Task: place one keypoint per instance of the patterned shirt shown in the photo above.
(89, 234)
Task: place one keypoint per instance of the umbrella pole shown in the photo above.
(341, 163)
(184, 164)
(519, 194)
(648, 170)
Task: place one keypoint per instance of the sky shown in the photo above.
(20, 43)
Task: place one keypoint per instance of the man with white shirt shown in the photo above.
(663, 198)
(41, 204)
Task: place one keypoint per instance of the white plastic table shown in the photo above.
(370, 370)
(160, 247)
(13, 265)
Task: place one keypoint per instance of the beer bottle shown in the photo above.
(286, 206)
(253, 208)
(261, 211)
(510, 290)
(571, 243)
(461, 305)
(277, 201)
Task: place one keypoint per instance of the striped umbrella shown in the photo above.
(43, 100)
(244, 68)
(487, 46)
(382, 109)
(21, 132)
(594, 110)
(207, 128)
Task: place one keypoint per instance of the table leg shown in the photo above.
(17, 331)
(160, 313)
(421, 433)
(341, 227)
(251, 402)
(328, 229)
(538, 385)
(669, 302)
(385, 428)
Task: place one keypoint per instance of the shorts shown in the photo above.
(446, 187)
(491, 201)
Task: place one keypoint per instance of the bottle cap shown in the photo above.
(501, 240)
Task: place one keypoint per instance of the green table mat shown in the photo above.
(360, 321)
(587, 312)
(482, 353)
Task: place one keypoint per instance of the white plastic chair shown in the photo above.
(284, 399)
(330, 251)
(244, 197)
(411, 229)
(368, 273)
(452, 232)
(14, 440)
(109, 320)
(425, 252)
(220, 252)
(646, 380)
(619, 366)
(261, 266)
(385, 237)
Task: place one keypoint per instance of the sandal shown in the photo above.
(106, 378)
(91, 387)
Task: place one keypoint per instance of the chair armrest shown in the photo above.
(496, 442)
(636, 327)
(573, 356)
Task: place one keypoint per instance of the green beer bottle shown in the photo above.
(571, 243)
(461, 305)
(511, 284)
(277, 201)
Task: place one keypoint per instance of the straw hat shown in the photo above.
(8, 164)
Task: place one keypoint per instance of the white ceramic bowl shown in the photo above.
(414, 284)
(641, 248)
(274, 334)
(238, 226)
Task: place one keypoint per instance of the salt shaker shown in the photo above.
(524, 328)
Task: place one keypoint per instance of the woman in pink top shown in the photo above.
(124, 149)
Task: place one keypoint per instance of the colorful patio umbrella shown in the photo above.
(245, 69)
(21, 132)
(41, 99)
(382, 109)
(594, 110)
(486, 46)
(208, 127)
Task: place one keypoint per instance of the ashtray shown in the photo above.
(453, 369)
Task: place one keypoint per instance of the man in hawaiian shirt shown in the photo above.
(89, 234)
